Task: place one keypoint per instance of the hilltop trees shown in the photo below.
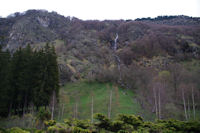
(28, 79)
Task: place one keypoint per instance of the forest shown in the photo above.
(28, 80)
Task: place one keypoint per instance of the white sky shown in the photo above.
(105, 9)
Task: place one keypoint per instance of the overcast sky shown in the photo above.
(105, 9)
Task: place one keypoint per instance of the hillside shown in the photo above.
(156, 60)
(172, 20)
(80, 44)
(76, 101)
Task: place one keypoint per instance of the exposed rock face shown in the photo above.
(29, 28)
(43, 21)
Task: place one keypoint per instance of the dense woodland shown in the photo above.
(28, 80)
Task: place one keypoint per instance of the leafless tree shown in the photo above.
(63, 108)
(176, 71)
(53, 104)
(184, 104)
(110, 105)
(76, 110)
(193, 103)
(188, 100)
(155, 100)
(92, 108)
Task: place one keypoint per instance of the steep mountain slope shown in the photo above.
(32, 27)
(143, 55)
(86, 45)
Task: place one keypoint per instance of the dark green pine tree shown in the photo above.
(17, 82)
(27, 77)
(46, 78)
(54, 79)
(54, 71)
(21, 81)
(51, 72)
(4, 82)
(39, 70)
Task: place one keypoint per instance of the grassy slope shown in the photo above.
(81, 93)
(122, 102)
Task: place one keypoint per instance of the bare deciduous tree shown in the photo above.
(184, 104)
(53, 104)
(193, 103)
(110, 104)
(92, 107)
(155, 100)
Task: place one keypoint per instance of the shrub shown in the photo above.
(43, 114)
(2, 130)
(135, 121)
(192, 126)
(49, 123)
(58, 128)
(104, 122)
(123, 124)
(117, 126)
(80, 130)
(84, 124)
(68, 122)
(17, 130)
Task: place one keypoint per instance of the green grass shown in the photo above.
(123, 102)
(81, 93)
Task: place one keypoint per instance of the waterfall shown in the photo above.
(118, 65)
(118, 62)
(115, 42)
(116, 56)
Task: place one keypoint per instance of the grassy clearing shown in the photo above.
(123, 102)
(80, 95)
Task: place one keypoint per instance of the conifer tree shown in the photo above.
(4, 82)
(28, 79)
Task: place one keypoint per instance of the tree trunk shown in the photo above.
(32, 108)
(25, 104)
(110, 105)
(63, 108)
(159, 103)
(188, 108)
(53, 104)
(155, 100)
(10, 110)
(59, 112)
(92, 109)
(193, 104)
(183, 97)
(76, 110)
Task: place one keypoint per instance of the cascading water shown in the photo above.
(118, 62)
(119, 65)
(117, 57)
(115, 43)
